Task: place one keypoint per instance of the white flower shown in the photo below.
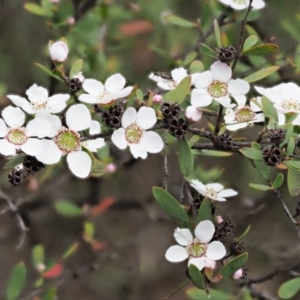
(168, 82)
(16, 137)
(243, 115)
(104, 94)
(198, 250)
(40, 101)
(59, 51)
(133, 132)
(217, 84)
(67, 141)
(285, 96)
(213, 191)
(242, 4)
(193, 113)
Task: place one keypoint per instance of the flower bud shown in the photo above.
(59, 51)
(193, 114)
(157, 98)
(238, 274)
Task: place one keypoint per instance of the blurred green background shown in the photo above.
(133, 38)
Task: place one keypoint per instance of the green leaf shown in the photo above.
(217, 33)
(189, 58)
(261, 74)
(16, 281)
(98, 166)
(293, 179)
(50, 294)
(277, 183)
(196, 294)
(38, 255)
(207, 50)
(180, 92)
(214, 153)
(196, 276)
(49, 72)
(244, 233)
(71, 250)
(251, 153)
(232, 266)
(89, 229)
(37, 10)
(289, 289)
(263, 169)
(131, 97)
(260, 187)
(293, 164)
(140, 95)
(204, 212)
(196, 67)
(269, 109)
(289, 128)
(291, 146)
(15, 161)
(76, 68)
(169, 204)
(250, 41)
(68, 209)
(185, 158)
(175, 20)
(261, 50)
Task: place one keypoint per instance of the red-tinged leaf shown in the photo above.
(134, 28)
(102, 206)
(217, 278)
(54, 271)
(97, 246)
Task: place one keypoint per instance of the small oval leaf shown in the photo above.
(214, 153)
(289, 289)
(291, 146)
(261, 50)
(16, 281)
(15, 161)
(204, 212)
(196, 67)
(189, 58)
(217, 33)
(250, 41)
(261, 74)
(68, 209)
(207, 50)
(37, 10)
(269, 109)
(232, 266)
(49, 72)
(175, 20)
(180, 92)
(196, 276)
(169, 204)
(260, 187)
(293, 179)
(76, 68)
(278, 181)
(185, 158)
(251, 153)
(38, 255)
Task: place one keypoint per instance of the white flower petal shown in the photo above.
(38, 127)
(200, 98)
(225, 101)
(32, 147)
(17, 100)
(86, 98)
(146, 117)
(115, 83)
(203, 80)
(124, 93)
(95, 127)
(198, 186)
(79, 163)
(59, 51)
(13, 116)
(198, 262)
(183, 236)
(221, 71)
(204, 231)
(37, 94)
(92, 87)
(53, 120)
(93, 145)
(215, 250)
(28, 108)
(238, 86)
(227, 193)
(178, 74)
(152, 142)
(129, 117)
(7, 148)
(51, 154)
(138, 150)
(3, 128)
(176, 254)
(215, 186)
(119, 139)
(78, 117)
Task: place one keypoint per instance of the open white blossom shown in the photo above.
(67, 141)
(97, 93)
(169, 82)
(39, 100)
(198, 250)
(133, 132)
(14, 136)
(285, 96)
(243, 115)
(242, 4)
(217, 84)
(213, 191)
(59, 51)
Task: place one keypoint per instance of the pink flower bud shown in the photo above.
(55, 1)
(209, 263)
(59, 51)
(219, 219)
(111, 168)
(238, 274)
(193, 114)
(157, 99)
(71, 21)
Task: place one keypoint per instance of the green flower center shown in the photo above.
(68, 140)
(217, 89)
(133, 134)
(211, 193)
(17, 136)
(244, 114)
(291, 104)
(196, 249)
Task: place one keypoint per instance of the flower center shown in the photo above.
(41, 105)
(244, 114)
(196, 249)
(217, 89)
(103, 95)
(291, 104)
(68, 140)
(17, 136)
(133, 134)
(211, 193)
